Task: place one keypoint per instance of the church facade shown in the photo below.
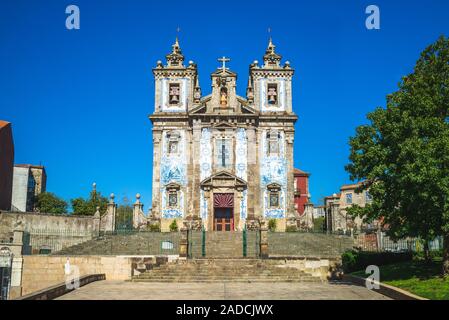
(223, 162)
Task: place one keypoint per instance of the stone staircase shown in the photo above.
(230, 270)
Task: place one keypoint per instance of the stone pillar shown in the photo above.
(291, 213)
(156, 193)
(335, 216)
(96, 221)
(263, 239)
(194, 175)
(108, 219)
(184, 243)
(253, 174)
(137, 213)
(18, 237)
(307, 218)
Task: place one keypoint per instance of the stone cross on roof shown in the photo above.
(224, 60)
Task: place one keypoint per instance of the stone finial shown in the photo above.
(137, 198)
(97, 213)
(111, 198)
(94, 186)
(271, 58)
(175, 58)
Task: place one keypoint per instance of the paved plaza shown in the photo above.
(121, 290)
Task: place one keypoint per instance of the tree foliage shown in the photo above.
(48, 202)
(89, 206)
(403, 153)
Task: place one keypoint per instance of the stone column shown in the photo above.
(335, 215)
(137, 212)
(253, 174)
(108, 219)
(291, 212)
(156, 193)
(263, 239)
(194, 176)
(184, 243)
(96, 221)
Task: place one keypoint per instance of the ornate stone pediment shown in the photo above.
(173, 187)
(223, 179)
(224, 125)
(274, 187)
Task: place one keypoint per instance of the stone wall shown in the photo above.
(45, 231)
(10, 221)
(40, 272)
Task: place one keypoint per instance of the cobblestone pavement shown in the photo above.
(118, 290)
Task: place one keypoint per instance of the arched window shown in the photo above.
(174, 93)
(173, 138)
(273, 138)
(272, 94)
(273, 195)
(173, 195)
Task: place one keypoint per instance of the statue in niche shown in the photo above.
(272, 94)
(223, 97)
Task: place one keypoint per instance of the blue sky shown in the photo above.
(79, 100)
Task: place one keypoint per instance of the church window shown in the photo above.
(273, 195)
(272, 94)
(174, 93)
(273, 138)
(173, 199)
(223, 152)
(274, 199)
(173, 142)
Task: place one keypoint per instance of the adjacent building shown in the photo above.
(221, 160)
(6, 165)
(301, 187)
(28, 182)
(336, 207)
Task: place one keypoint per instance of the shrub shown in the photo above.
(173, 226)
(272, 224)
(156, 227)
(291, 229)
(354, 260)
(419, 256)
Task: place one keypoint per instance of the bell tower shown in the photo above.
(177, 86)
(270, 84)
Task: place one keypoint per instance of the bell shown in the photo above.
(174, 99)
(271, 98)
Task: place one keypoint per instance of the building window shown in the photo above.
(173, 199)
(273, 138)
(368, 197)
(349, 198)
(173, 138)
(174, 93)
(274, 199)
(223, 152)
(272, 94)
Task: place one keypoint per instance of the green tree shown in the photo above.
(403, 153)
(48, 202)
(173, 226)
(89, 206)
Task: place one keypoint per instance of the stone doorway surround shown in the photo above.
(224, 182)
